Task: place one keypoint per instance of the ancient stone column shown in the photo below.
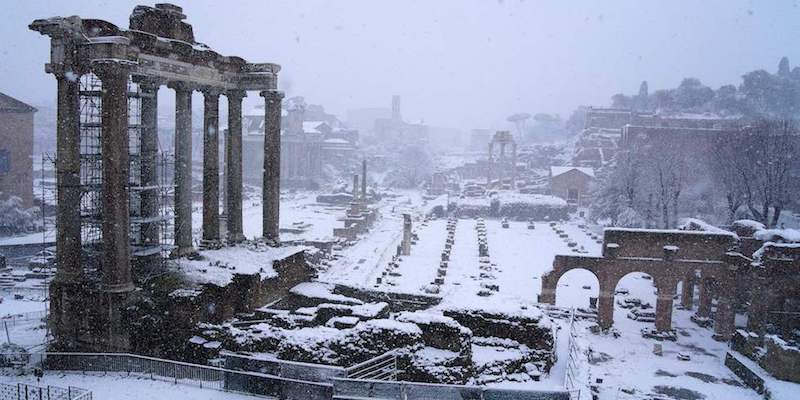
(500, 159)
(490, 165)
(233, 159)
(704, 303)
(355, 188)
(364, 181)
(664, 306)
(148, 145)
(183, 168)
(513, 165)
(724, 320)
(406, 244)
(211, 167)
(115, 149)
(687, 292)
(68, 178)
(271, 189)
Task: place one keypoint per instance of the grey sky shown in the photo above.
(459, 63)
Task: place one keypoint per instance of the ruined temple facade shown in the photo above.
(500, 167)
(87, 305)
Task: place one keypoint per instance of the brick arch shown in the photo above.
(550, 280)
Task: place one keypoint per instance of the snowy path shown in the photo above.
(460, 285)
(419, 269)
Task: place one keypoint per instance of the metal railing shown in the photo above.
(24, 391)
(16, 319)
(572, 369)
(382, 368)
(359, 389)
(203, 376)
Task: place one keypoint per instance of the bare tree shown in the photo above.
(754, 168)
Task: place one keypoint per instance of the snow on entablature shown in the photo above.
(650, 243)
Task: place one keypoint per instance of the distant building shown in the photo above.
(571, 183)
(16, 149)
(396, 131)
(606, 131)
(310, 139)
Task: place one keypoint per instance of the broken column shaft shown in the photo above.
(271, 187)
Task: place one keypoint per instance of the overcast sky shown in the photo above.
(458, 63)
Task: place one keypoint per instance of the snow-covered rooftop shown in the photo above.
(556, 171)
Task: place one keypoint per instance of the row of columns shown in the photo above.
(116, 170)
(501, 162)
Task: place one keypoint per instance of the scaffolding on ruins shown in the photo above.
(91, 178)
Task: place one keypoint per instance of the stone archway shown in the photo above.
(639, 285)
(582, 285)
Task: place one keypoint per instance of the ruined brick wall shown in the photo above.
(650, 243)
(16, 143)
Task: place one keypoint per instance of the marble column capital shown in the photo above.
(149, 84)
(180, 86)
(211, 92)
(110, 69)
(235, 94)
(271, 95)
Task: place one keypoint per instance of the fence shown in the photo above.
(30, 293)
(572, 369)
(181, 373)
(383, 367)
(23, 391)
(359, 389)
(23, 318)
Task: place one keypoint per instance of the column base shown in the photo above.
(236, 238)
(704, 322)
(722, 337)
(210, 244)
(118, 288)
(271, 242)
(188, 252)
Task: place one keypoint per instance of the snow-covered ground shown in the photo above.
(521, 257)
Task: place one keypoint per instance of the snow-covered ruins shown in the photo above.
(186, 221)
